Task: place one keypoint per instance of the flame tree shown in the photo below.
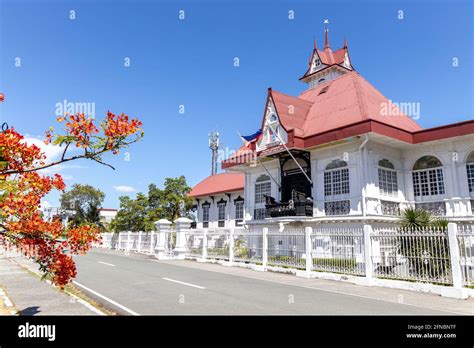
(22, 187)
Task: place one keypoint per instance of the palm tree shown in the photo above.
(415, 219)
(427, 255)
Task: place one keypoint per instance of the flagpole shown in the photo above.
(246, 144)
(286, 148)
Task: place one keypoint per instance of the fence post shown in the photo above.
(309, 248)
(204, 244)
(182, 226)
(231, 246)
(139, 246)
(129, 233)
(264, 248)
(151, 241)
(454, 253)
(162, 227)
(119, 241)
(369, 266)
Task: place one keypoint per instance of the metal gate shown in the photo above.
(170, 243)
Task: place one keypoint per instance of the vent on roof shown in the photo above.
(324, 90)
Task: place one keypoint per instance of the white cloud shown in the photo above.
(51, 151)
(123, 188)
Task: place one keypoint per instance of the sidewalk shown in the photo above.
(31, 296)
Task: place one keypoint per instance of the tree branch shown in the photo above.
(103, 163)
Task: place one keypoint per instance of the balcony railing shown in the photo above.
(300, 205)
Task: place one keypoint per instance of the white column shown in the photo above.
(309, 248)
(139, 246)
(151, 241)
(369, 267)
(454, 253)
(204, 244)
(183, 225)
(231, 246)
(162, 227)
(119, 241)
(128, 241)
(264, 248)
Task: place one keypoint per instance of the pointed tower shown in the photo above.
(326, 65)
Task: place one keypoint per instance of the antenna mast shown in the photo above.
(214, 146)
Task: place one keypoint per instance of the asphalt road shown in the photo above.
(139, 285)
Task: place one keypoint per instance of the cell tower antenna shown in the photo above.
(214, 146)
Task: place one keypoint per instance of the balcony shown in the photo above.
(299, 205)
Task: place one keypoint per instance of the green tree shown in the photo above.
(132, 215)
(141, 213)
(166, 203)
(83, 202)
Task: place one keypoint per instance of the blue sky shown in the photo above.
(190, 62)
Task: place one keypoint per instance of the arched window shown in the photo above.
(336, 178)
(205, 214)
(428, 177)
(470, 172)
(273, 135)
(273, 118)
(336, 186)
(388, 183)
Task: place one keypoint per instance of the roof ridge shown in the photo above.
(361, 102)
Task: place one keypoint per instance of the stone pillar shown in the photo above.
(231, 246)
(309, 248)
(162, 227)
(139, 246)
(204, 244)
(128, 241)
(264, 248)
(454, 254)
(369, 266)
(183, 225)
(151, 241)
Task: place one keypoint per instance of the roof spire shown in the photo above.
(326, 30)
(315, 46)
(345, 41)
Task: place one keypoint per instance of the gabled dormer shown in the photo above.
(326, 65)
(273, 133)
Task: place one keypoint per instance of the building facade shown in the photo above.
(219, 202)
(342, 151)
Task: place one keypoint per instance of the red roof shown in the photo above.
(341, 108)
(219, 183)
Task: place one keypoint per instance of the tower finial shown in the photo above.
(315, 46)
(345, 41)
(326, 40)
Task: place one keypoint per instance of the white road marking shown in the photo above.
(177, 281)
(302, 286)
(128, 310)
(105, 263)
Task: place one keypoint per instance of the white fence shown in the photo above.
(466, 253)
(140, 242)
(433, 257)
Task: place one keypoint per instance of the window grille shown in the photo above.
(221, 215)
(337, 207)
(205, 215)
(239, 212)
(262, 189)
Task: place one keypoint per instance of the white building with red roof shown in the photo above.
(341, 150)
(219, 201)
